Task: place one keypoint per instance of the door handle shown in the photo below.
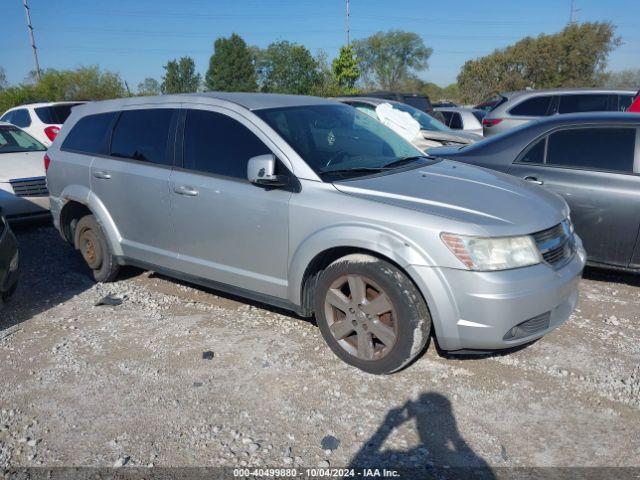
(187, 191)
(102, 174)
(534, 180)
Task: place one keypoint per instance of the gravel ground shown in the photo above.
(134, 384)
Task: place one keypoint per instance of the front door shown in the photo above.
(593, 170)
(228, 230)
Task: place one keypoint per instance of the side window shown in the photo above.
(534, 107)
(143, 135)
(624, 102)
(534, 155)
(456, 121)
(90, 134)
(593, 148)
(218, 144)
(447, 117)
(365, 108)
(7, 117)
(21, 118)
(584, 103)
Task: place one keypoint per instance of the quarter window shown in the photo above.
(21, 118)
(583, 103)
(89, 134)
(143, 135)
(456, 121)
(218, 144)
(535, 154)
(593, 148)
(534, 107)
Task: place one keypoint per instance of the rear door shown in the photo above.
(132, 182)
(592, 168)
(228, 230)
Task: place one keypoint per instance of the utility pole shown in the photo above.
(347, 25)
(33, 40)
(573, 13)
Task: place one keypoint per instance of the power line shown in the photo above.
(33, 40)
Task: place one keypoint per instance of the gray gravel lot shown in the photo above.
(128, 384)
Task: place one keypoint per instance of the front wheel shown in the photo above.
(370, 314)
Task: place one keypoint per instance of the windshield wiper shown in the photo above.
(346, 171)
(404, 160)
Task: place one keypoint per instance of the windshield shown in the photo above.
(427, 122)
(13, 140)
(56, 114)
(336, 140)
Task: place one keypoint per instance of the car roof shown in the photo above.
(369, 100)
(250, 101)
(551, 91)
(457, 109)
(47, 104)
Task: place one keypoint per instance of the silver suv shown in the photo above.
(517, 108)
(310, 205)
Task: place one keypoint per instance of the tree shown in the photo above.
(285, 67)
(3, 79)
(149, 86)
(574, 57)
(231, 67)
(85, 83)
(180, 76)
(388, 59)
(624, 79)
(345, 69)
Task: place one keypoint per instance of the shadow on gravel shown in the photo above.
(602, 275)
(51, 272)
(441, 450)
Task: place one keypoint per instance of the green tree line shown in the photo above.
(394, 60)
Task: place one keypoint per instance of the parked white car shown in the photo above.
(23, 187)
(42, 121)
(459, 118)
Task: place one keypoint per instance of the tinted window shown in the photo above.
(624, 102)
(143, 135)
(421, 103)
(534, 107)
(584, 103)
(21, 118)
(593, 148)
(89, 134)
(55, 114)
(456, 121)
(447, 118)
(535, 154)
(218, 144)
(14, 140)
(479, 114)
(7, 117)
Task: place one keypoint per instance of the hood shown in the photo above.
(460, 138)
(444, 151)
(21, 165)
(498, 203)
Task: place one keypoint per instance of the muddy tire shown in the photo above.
(90, 240)
(371, 314)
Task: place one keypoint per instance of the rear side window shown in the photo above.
(479, 114)
(215, 143)
(90, 134)
(446, 118)
(535, 154)
(21, 118)
(584, 103)
(624, 102)
(593, 148)
(143, 135)
(54, 114)
(456, 121)
(534, 107)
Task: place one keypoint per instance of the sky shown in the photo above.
(135, 38)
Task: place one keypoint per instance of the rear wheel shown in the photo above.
(94, 248)
(370, 314)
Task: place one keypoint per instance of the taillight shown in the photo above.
(490, 122)
(47, 162)
(51, 132)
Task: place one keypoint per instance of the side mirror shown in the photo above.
(261, 171)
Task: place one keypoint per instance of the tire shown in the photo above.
(384, 331)
(92, 243)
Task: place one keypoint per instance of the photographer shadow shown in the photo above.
(441, 450)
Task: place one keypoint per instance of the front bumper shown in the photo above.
(9, 260)
(476, 310)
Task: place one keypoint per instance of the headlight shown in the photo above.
(499, 253)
